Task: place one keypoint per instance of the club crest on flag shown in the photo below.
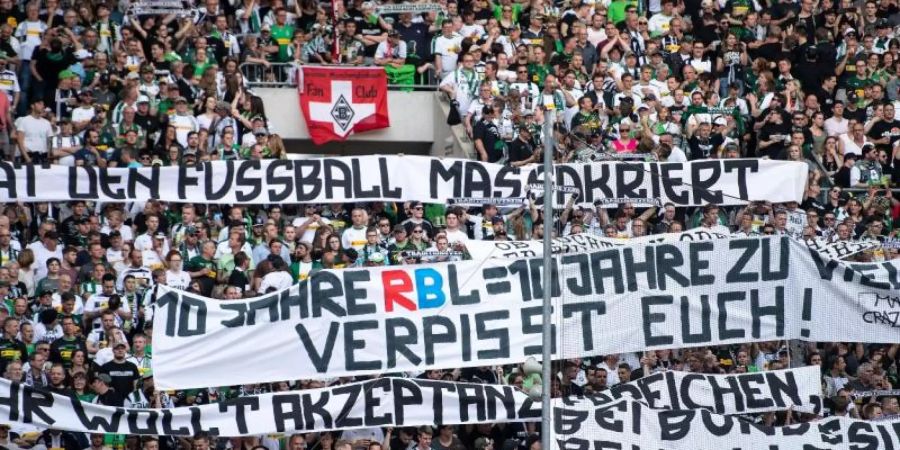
(337, 102)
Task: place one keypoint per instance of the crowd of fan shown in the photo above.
(91, 84)
(79, 286)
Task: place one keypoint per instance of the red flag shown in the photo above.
(337, 101)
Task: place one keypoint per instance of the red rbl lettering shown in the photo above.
(396, 282)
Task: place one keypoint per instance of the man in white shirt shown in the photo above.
(658, 25)
(44, 249)
(455, 235)
(837, 125)
(33, 134)
(145, 241)
(446, 48)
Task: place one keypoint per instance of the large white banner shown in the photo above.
(584, 242)
(628, 424)
(394, 402)
(401, 178)
(576, 243)
(775, 390)
(466, 314)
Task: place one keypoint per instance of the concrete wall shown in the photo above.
(411, 114)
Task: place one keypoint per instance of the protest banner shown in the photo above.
(628, 424)
(403, 178)
(746, 393)
(584, 242)
(841, 249)
(577, 243)
(478, 313)
(415, 8)
(394, 402)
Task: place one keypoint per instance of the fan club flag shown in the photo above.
(337, 101)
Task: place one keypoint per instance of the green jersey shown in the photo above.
(283, 34)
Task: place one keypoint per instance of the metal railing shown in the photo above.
(284, 75)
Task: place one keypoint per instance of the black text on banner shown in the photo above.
(466, 314)
(629, 424)
(402, 178)
(746, 393)
(394, 402)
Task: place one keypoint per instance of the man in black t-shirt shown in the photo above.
(521, 150)
(106, 395)
(704, 144)
(885, 131)
(487, 137)
(123, 374)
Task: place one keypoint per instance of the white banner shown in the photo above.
(577, 243)
(467, 314)
(628, 424)
(402, 178)
(416, 8)
(775, 390)
(394, 402)
(584, 242)
(841, 249)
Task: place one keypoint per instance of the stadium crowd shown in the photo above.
(93, 83)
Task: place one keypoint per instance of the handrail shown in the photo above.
(283, 75)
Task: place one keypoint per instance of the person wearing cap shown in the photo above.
(123, 374)
(101, 384)
(399, 245)
(64, 97)
(148, 85)
(522, 150)
(867, 171)
(391, 54)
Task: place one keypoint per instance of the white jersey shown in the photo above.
(448, 49)
(29, 33)
(183, 125)
(178, 280)
(354, 238)
(310, 234)
(9, 84)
